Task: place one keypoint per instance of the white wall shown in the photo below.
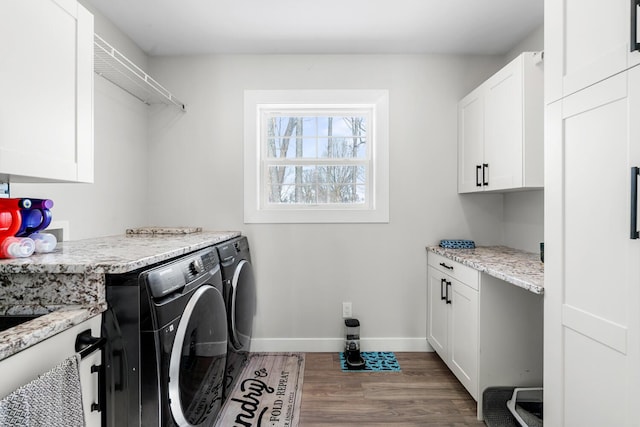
(117, 199)
(156, 165)
(305, 271)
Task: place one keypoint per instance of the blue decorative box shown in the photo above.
(457, 244)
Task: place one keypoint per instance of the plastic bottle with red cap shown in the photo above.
(10, 223)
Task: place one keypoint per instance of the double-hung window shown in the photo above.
(316, 156)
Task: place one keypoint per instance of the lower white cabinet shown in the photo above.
(487, 331)
(452, 323)
(25, 366)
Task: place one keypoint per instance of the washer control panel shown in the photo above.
(174, 276)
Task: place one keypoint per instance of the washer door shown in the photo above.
(198, 357)
(243, 306)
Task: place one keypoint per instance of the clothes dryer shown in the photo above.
(240, 301)
(167, 343)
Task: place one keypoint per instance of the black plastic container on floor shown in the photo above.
(496, 411)
(494, 407)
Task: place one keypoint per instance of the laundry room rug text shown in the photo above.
(267, 393)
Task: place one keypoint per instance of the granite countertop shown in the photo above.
(514, 266)
(114, 254)
(66, 286)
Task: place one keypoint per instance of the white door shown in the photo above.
(471, 142)
(586, 42)
(503, 136)
(437, 311)
(463, 335)
(592, 274)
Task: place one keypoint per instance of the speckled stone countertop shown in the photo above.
(519, 268)
(67, 286)
(114, 254)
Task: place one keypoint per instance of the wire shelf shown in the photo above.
(119, 70)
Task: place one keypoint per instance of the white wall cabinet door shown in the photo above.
(471, 142)
(46, 81)
(592, 309)
(463, 335)
(500, 130)
(503, 128)
(586, 42)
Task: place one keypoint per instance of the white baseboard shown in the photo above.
(311, 345)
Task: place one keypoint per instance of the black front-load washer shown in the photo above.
(167, 341)
(240, 299)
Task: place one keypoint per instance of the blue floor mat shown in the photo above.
(375, 361)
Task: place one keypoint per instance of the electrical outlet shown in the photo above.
(346, 310)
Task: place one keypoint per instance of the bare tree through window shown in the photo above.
(318, 159)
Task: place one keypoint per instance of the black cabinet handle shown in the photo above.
(442, 284)
(447, 299)
(87, 344)
(635, 171)
(99, 369)
(478, 183)
(485, 174)
(448, 267)
(634, 45)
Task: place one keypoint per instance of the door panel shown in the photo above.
(243, 305)
(596, 203)
(470, 141)
(463, 335)
(437, 321)
(586, 41)
(592, 269)
(503, 128)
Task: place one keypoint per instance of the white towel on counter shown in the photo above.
(54, 399)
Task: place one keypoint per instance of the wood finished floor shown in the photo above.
(425, 393)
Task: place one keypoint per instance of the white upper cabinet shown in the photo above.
(500, 130)
(46, 81)
(587, 41)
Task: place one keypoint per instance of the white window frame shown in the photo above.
(257, 102)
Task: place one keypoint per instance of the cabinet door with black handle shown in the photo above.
(592, 309)
(586, 42)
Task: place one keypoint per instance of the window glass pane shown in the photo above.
(342, 174)
(309, 148)
(293, 194)
(317, 184)
(278, 126)
(277, 175)
(348, 126)
(317, 137)
(290, 148)
(341, 194)
(342, 148)
(328, 137)
(309, 126)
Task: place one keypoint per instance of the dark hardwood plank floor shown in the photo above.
(425, 393)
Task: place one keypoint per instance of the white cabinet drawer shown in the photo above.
(462, 273)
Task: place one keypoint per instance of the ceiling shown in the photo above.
(183, 27)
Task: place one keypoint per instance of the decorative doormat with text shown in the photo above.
(267, 393)
(375, 361)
